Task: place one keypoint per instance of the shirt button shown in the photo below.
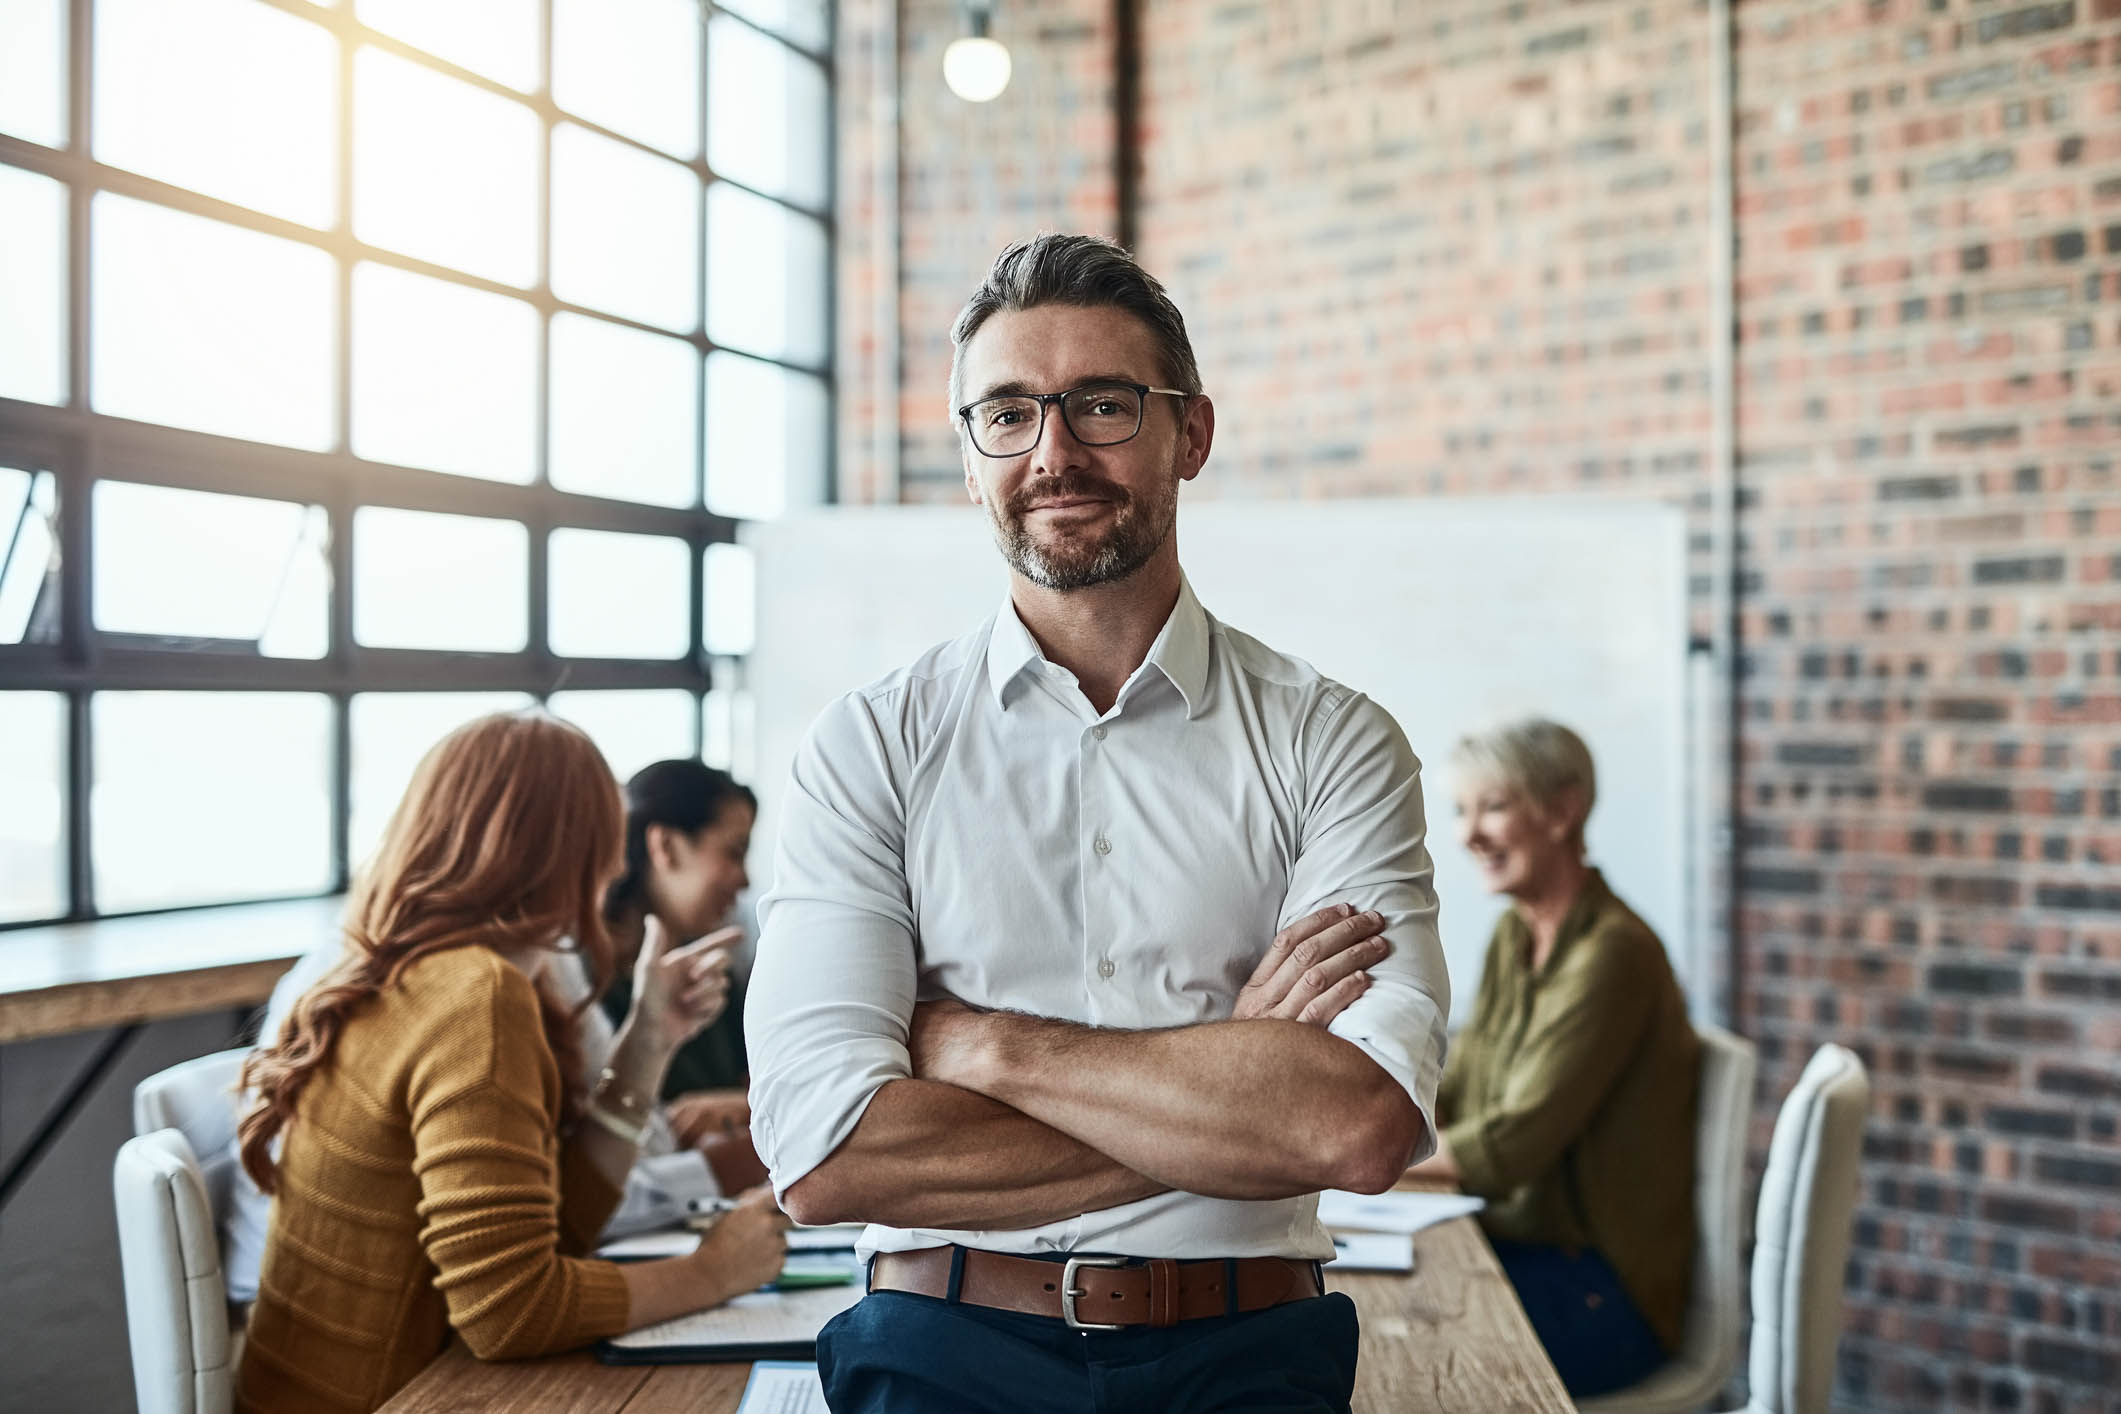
(1098, 733)
(1102, 845)
(1105, 967)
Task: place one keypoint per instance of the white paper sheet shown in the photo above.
(783, 1387)
(1342, 1211)
(673, 1242)
(1373, 1252)
(756, 1318)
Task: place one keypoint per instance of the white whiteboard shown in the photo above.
(1451, 614)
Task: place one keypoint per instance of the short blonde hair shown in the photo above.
(1542, 759)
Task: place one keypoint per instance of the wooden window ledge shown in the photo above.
(87, 976)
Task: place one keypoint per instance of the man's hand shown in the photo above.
(703, 1114)
(944, 1040)
(1314, 969)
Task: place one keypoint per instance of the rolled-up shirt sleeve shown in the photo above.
(1365, 842)
(832, 989)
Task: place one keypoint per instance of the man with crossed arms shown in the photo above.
(1101, 938)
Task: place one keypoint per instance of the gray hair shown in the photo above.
(1089, 271)
(1542, 759)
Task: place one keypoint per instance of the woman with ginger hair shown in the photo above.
(439, 1168)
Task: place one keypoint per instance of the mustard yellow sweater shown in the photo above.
(424, 1188)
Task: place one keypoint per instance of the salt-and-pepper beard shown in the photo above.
(1138, 529)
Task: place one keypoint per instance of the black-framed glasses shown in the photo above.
(1097, 415)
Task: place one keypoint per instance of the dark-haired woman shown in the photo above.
(688, 830)
(442, 1164)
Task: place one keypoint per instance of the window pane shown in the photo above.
(624, 413)
(242, 811)
(388, 733)
(29, 557)
(33, 70)
(444, 171)
(32, 286)
(443, 376)
(804, 21)
(197, 564)
(619, 596)
(728, 736)
(32, 805)
(633, 68)
(631, 728)
(766, 116)
(199, 324)
(424, 580)
(731, 620)
(497, 38)
(228, 97)
(766, 434)
(625, 230)
(765, 277)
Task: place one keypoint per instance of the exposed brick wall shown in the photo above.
(1440, 247)
(1930, 410)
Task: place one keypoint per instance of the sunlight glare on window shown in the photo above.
(730, 597)
(767, 429)
(633, 68)
(444, 376)
(32, 805)
(427, 580)
(631, 727)
(766, 277)
(497, 38)
(32, 287)
(232, 98)
(615, 595)
(206, 797)
(389, 733)
(625, 230)
(806, 22)
(624, 412)
(33, 70)
(198, 564)
(203, 325)
(728, 726)
(443, 171)
(766, 114)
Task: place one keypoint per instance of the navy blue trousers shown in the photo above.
(897, 1353)
(1596, 1338)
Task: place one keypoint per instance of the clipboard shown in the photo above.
(768, 1324)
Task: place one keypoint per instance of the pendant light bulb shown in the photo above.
(976, 67)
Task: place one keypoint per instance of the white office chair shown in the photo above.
(1715, 1316)
(1807, 1199)
(169, 1235)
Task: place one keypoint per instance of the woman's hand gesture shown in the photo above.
(677, 991)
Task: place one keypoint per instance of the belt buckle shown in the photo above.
(1070, 1291)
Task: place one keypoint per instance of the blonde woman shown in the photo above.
(440, 1169)
(1568, 1100)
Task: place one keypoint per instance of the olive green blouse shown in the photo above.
(1569, 1100)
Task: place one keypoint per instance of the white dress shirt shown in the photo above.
(970, 827)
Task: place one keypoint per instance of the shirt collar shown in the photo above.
(1180, 651)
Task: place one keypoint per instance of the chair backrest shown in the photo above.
(197, 1099)
(1807, 1196)
(176, 1305)
(1723, 1110)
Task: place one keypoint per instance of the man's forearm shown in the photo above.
(926, 1154)
(1234, 1109)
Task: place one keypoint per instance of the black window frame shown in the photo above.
(81, 448)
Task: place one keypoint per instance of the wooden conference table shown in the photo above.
(1451, 1338)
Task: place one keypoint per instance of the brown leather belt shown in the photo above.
(1098, 1293)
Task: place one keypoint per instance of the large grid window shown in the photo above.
(369, 364)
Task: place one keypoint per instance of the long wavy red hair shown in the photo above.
(506, 839)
